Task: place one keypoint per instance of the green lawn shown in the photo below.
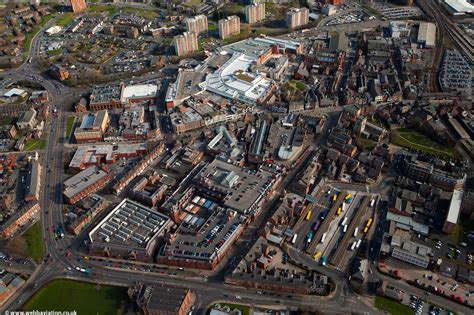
(29, 36)
(54, 52)
(34, 242)
(412, 139)
(85, 298)
(212, 27)
(66, 19)
(144, 13)
(243, 308)
(111, 11)
(392, 307)
(69, 125)
(34, 144)
(193, 3)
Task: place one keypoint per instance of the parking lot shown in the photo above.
(422, 307)
(447, 249)
(352, 17)
(430, 280)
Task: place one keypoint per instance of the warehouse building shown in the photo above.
(427, 35)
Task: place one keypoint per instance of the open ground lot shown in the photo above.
(85, 298)
(29, 244)
(35, 144)
(392, 307)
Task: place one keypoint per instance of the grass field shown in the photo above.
(110, 10)
(34, 144)
(30, 35)
(192, 3)
(69, 125)
(392, 307)
(85, 298)
(66, 19)
(147, 14)
(34, 242)
(54, 52)
(412, 139)
(243, 308)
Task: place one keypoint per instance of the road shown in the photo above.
(208, 289)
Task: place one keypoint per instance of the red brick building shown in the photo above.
(78, 5)
(20, 218)
(59, 73)
(163, 301)
(85, 183)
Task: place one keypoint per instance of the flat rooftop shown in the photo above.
(94, 154)
(204, 235)
(77, 183)
(139, 91)
(129, 224)
(169, 299)
(243, 187)
(255, 47)
(105, 94)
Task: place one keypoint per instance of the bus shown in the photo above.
(353, 245)
(310, 237)
(366, 229)
(293, 240)
(323, 238)
(372, 203)
(369, 223)
(344, 230)
(355, 231)
(317, 255)
(334, 198)
(339, 211)
(308, 216)
(344, 221)
(358, 243)
(324, 261)
(348, 196)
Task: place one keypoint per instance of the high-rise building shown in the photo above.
(296, 17)
(229, 27)
(186, 43)
(197, 24)
(78, 5)
(255, 13)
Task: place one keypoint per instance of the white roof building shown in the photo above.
(427, 34)
(53, 30)
(459, 7)
(455, 207)
(14, 92)
(136, 92)
(234, 81)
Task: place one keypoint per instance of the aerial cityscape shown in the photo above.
(237, 157)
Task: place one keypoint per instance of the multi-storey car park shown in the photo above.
(130, 230)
